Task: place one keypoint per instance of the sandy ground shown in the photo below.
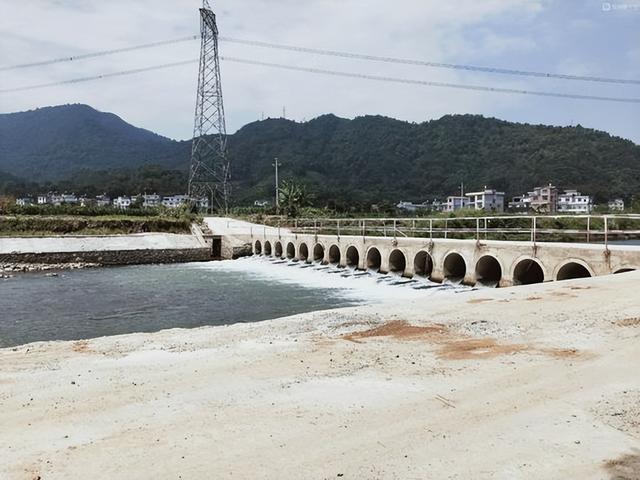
(69, 243)
(537, 382)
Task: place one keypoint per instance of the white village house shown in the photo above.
(572, 201)
(122, 202)
(456, 202)
(489, 200)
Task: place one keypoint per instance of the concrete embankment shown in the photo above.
(104, 250)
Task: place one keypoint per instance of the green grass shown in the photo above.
(38, 225)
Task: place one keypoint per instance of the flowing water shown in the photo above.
(109, 301)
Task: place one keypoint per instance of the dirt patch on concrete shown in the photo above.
(398, 329)
(81, 346)
(480, 300)
(530, 299)
(453, 346)
(625, 467)
(561, 352)
(628, 322)
(477, 348)
(563, 294)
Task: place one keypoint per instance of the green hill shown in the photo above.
(345, 162)
(51, 143)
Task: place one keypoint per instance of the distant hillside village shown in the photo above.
(547, 199)
(121, 202)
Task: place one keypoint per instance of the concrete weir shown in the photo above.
(490, 263)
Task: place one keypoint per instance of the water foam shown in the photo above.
(355, 285)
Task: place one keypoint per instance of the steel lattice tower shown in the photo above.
(209, 175)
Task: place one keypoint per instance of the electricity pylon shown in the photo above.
(209, 174)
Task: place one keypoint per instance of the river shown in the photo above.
(146, 298)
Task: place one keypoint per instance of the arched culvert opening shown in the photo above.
(423, 264)
(318, 253)
(334, 254)
(397, 262)
(257, 248)
(572, 270)
(625, 270)
(267, 248)
(291, 250)
(353, 257)
(278, 250)
(303, 252)
(454, 268)
(488, 271)
(527, 272)
(374, 259)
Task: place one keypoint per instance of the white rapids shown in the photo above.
(362, 286)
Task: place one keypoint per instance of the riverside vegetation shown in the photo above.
(37, 220)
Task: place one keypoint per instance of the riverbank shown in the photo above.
(537, 381)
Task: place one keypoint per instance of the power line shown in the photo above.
(98, 77)
(379, 78)
(334, 53)
(481, 88)
(100, 53)
(404, 61)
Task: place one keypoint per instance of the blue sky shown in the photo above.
(570, 36)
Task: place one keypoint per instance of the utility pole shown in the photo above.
(277, 164)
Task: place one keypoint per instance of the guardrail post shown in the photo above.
(279, 230)
(589, 229)
(533, 230)
(395, 223)
(477, 229)
(413, 228)
(338, 228)
(446, 228)
(430, 229)
(606, 232)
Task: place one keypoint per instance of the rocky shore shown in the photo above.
(10, 269)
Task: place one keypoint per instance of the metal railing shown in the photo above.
(533, 228)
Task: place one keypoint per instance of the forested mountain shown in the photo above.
(53, 142)
(362, 161)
